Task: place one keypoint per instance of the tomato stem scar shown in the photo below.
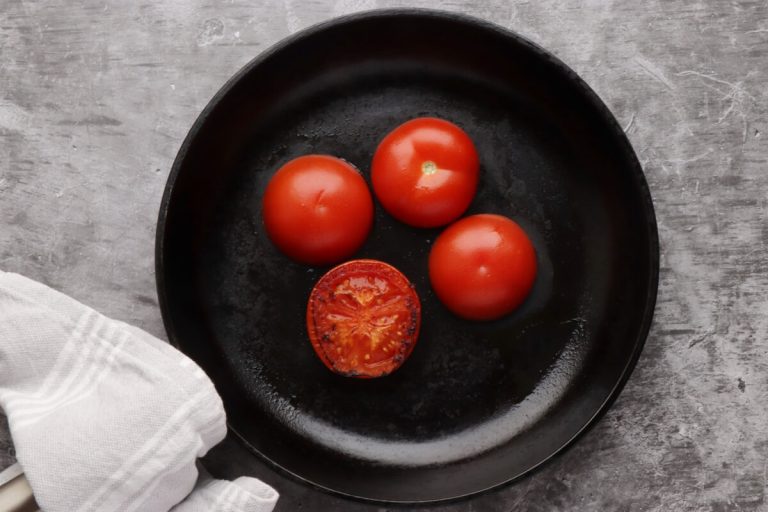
(429, 167)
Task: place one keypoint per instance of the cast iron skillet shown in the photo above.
(477, 404)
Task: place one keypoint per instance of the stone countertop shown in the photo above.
(96, 97)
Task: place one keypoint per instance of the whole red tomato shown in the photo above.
(482, 267)
(425, 172)
(317, 209)
(363, 318)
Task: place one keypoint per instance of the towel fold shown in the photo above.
(105, 417)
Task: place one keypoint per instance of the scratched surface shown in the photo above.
(95, 98)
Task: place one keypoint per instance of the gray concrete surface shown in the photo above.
(95, 98)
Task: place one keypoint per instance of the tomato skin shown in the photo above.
(425, 172)
(317, 209)
(363, 319)
(482, 267)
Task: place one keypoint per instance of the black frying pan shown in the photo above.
(477, 404)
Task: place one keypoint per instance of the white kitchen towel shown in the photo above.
(105, 417)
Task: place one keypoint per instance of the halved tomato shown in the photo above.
(363, 318)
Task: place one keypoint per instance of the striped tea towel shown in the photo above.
(105, 417)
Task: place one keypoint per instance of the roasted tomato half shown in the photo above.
(363, 318)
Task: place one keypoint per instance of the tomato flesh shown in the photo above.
(363, 318)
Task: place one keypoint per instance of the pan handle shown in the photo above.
(16, 496)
